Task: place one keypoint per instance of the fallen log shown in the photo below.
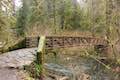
(17, 45)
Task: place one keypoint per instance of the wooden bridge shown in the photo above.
(54, 42)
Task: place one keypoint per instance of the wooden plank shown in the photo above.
(40, 55)
(41, 44)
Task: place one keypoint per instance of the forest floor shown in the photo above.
(83, 68)
(12, 63)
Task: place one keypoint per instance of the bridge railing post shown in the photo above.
(40, 55)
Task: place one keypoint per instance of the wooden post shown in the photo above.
(40, 55)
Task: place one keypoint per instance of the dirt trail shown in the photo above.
(11, 74)
(9, 62)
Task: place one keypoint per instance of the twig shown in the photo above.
(106, 66)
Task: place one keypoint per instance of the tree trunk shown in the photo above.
(54, 14)
(62, 14)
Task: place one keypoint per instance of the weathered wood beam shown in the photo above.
(40, 55)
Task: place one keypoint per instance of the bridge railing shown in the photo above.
(53, 42)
